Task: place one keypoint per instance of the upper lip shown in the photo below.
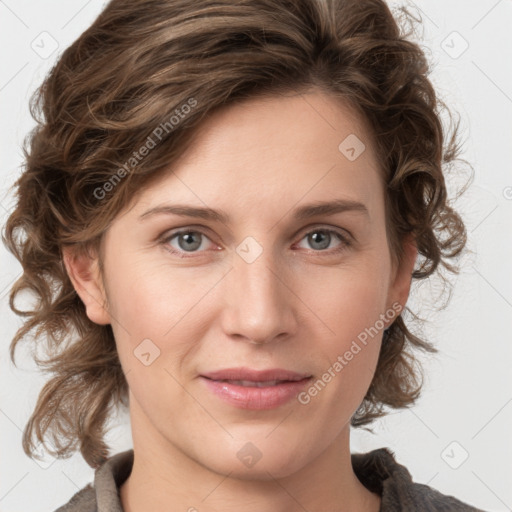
(250, 374)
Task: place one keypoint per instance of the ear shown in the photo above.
(402, 274)
(84, 273)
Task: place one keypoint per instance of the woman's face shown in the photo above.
(267, 287)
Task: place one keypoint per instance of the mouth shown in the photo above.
(244, 374)
(254, 384)
(255, 389)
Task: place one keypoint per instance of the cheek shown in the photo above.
(349, 304)
(153, 298)
(153, 331)
(348, 299)
(349, 349)
(156, 310)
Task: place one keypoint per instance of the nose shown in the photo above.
(258, 300)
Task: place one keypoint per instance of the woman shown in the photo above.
(298, 148)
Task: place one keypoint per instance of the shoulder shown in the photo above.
(103, 495)
(379, 471)
(83, 501)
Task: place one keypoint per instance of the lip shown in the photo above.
(252, 397)
(244, 373)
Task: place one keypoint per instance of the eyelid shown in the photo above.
(303, 230)
(166, 237)
(345, 236)
(336, 229)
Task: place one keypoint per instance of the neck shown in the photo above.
(165, 478)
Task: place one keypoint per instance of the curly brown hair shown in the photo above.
(143, 61)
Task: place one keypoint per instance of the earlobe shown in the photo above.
(84, 274)
(401, 285)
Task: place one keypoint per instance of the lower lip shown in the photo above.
(248, 397)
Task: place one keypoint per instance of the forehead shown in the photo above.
(270, 152)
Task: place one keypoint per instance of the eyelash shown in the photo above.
(345, 242)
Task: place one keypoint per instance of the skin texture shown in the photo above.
(297, 306)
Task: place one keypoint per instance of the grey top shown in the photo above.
(377, 470)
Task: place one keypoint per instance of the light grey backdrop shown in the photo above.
(457, 439)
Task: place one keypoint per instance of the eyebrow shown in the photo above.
(303, 212)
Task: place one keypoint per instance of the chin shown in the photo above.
(257, 458)
(275, 467)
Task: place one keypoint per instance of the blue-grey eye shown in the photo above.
(189, 240)
(320, 237)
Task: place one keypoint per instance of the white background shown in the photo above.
(466, 406)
